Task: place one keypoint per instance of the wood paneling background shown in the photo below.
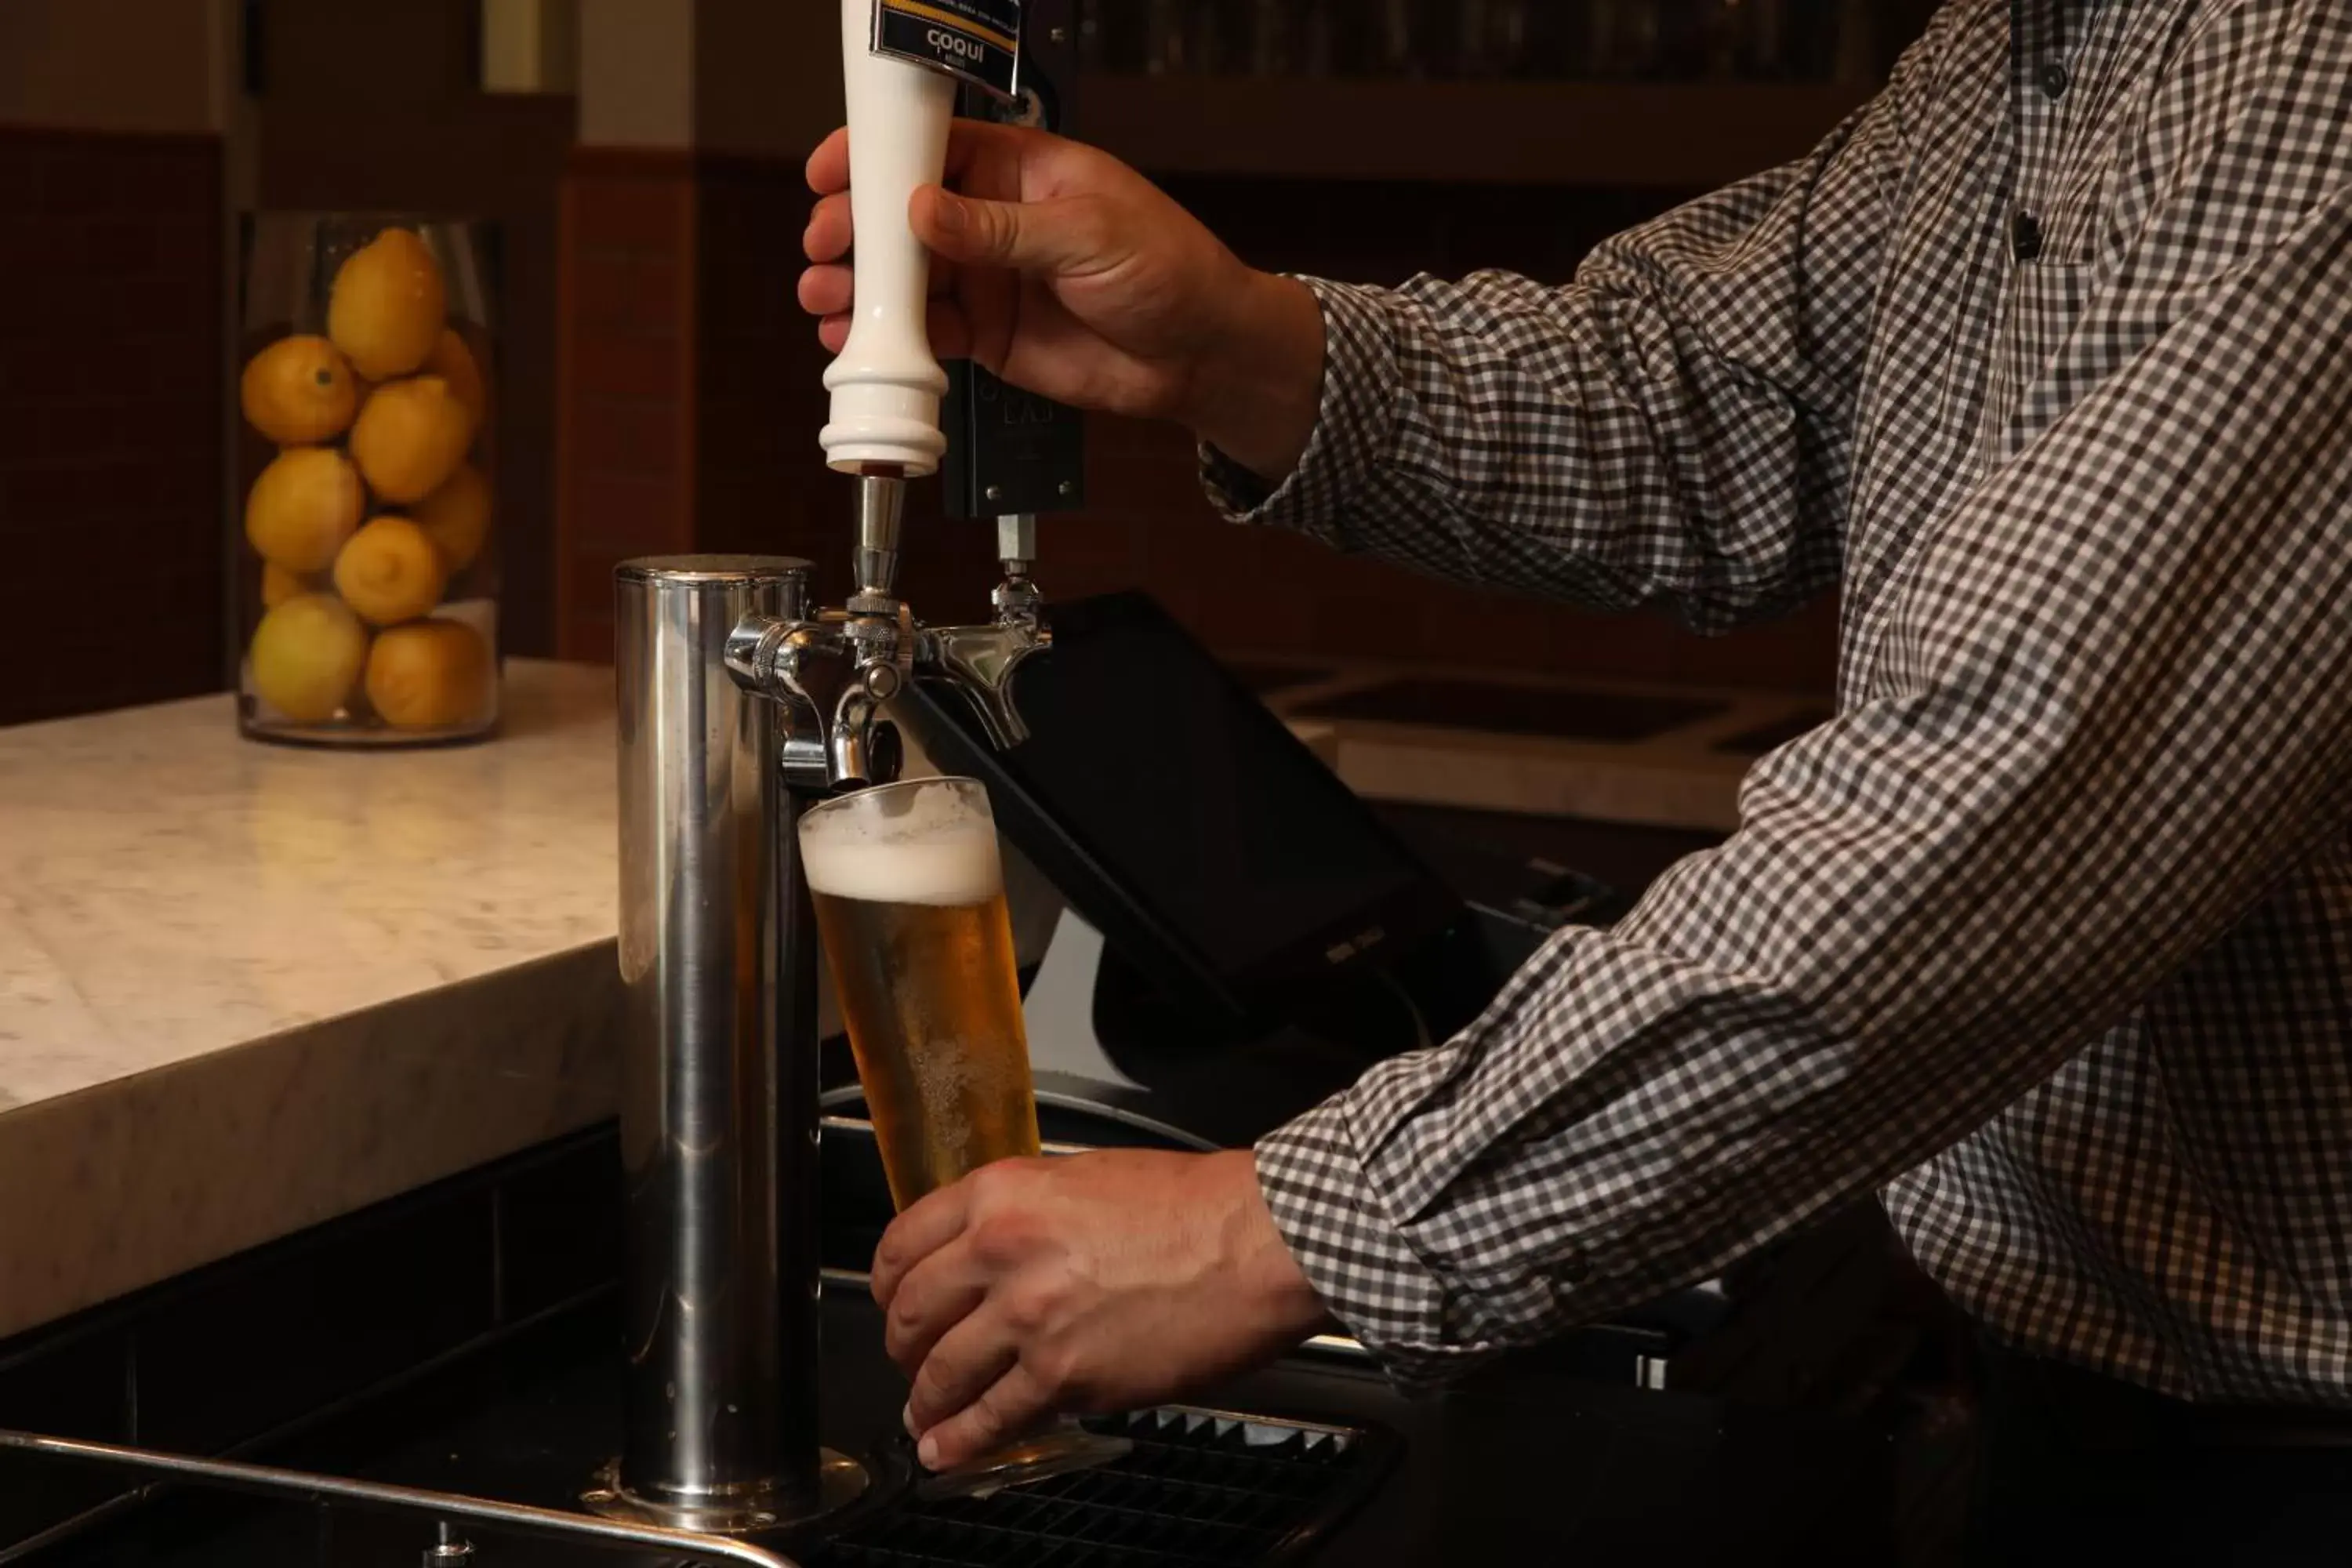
(657, 386)
(109, 419)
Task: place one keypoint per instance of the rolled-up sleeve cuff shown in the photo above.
(1367, 1274)
(1354, 427)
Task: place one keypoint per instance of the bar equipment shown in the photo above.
(741, 709)
(718, 1088)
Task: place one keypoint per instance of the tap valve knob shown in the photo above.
(1017, 599)
(1016, 542)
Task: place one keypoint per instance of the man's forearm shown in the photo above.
(1260, 382)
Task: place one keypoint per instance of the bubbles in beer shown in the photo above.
(910, 898)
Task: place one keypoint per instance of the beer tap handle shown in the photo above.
(886, 384)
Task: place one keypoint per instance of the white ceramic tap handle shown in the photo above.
(887, 384)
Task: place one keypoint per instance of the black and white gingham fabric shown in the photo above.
(2048, 354)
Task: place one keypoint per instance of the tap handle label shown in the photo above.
(976, 40)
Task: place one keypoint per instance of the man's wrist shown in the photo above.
(1259, 390)
(1272, 1280)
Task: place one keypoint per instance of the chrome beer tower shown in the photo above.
(739, 707)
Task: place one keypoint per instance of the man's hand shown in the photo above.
(1088, 1284)
(1068, 273)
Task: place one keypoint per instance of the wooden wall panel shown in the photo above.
(625, 365)
(110, 436)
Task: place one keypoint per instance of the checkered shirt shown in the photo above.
(2046, 356)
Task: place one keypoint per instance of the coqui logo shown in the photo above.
(955, 43)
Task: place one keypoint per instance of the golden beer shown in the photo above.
(911, 901)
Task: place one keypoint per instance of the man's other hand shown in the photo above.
(1086, 1284)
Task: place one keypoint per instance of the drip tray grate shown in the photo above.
(1201, 1488)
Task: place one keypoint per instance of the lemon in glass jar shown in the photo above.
(453, 361)
(390, 572)
(278, 585)
(457, 517)
(306, 655)
(410, 437)
(429, 675)
(299, 391)
(302, 508)
(388, 306)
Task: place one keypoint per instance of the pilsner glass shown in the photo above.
(911, 901)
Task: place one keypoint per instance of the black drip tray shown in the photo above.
(1201, 1488)
(1566, 715)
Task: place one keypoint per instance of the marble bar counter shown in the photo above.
(246, 988)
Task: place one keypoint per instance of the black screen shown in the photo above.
(1197, 803)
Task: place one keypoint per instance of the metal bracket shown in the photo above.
(271, 1481)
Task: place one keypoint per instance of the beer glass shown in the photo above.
(910, 902)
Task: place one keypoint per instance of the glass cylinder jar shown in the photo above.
(363, 546)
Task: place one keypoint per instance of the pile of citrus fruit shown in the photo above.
(372, 511)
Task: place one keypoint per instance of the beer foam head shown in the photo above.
(942, 849)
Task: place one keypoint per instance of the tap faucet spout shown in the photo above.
(862, 748)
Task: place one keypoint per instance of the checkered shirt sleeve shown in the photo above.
(2113, 689)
